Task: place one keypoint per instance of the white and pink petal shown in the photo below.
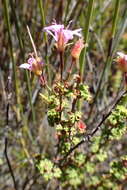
(25, 66)
(120, 54)
(54, 28)
(77, 32)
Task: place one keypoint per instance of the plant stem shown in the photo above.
(109, 56)
(122, 27)
(30, 96)
(22, 53)
(86, 36)
(67, 10)
(70, 70)
(32, 42)
(75, 100)
(115, 17)
(61, 66)
(61, 79)
(16, 81)
(9, 164)
(40, 4)
(28, 79)
(9, 94)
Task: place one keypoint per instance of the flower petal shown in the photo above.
(25, 66)
(77, 32)
(54, 27)
(125, 57)
(31, 60)
(120, 54)
(54, 36)
(53, 30)
(68, 34)
(41, 63)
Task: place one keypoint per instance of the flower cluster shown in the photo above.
(61, 35)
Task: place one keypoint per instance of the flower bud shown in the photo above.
(77, 48)
(61, 43)
(81, 126)
(122, 61)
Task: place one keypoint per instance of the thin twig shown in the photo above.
(108, 114)
(9, 93)
(32, 42)
(9, 164)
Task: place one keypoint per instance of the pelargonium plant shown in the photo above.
(71, 166)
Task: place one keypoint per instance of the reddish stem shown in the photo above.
(61, 79)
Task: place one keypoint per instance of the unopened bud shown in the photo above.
(81, 126)
(122, 61)
(77, 48)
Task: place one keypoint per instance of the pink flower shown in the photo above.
(81, 126)
(61, 34)
(77, 48)
(122, 61)
(34, 65)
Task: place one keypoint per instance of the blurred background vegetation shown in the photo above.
(27, 130)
